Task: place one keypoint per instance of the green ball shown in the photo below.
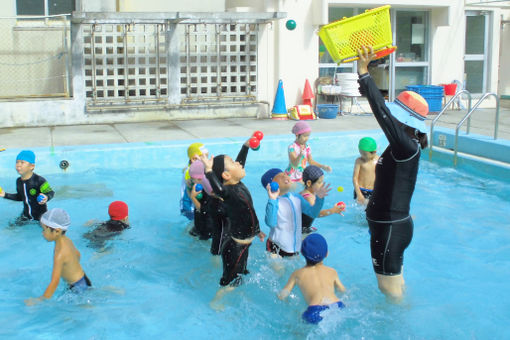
(291, 24)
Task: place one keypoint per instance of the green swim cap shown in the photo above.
(367, 144)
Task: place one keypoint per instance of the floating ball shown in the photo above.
(340, 189)
(40, 198)
(274, 186)
(290, 24)
(254, 143)
(258, 134)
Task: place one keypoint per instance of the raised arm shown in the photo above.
(392, 128)
(243, 153)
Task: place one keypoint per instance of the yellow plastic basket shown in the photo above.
(344, 37)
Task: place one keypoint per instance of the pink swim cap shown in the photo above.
(196, 171)
(301, 127)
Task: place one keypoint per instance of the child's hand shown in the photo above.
(326, 168)
(208, 162)
(2, 192)
(44, 200)
(272, 195)
(323, 190)
(32, 301)
(338, 209)
(362, 200)
(261, 236)
(194, 191)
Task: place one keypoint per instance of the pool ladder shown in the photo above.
(467, 117)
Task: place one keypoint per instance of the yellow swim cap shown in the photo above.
(195, 149)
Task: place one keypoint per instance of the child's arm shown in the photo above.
(355, 175)
(243, 153)
(282, 295)
(46, 190)
(15, 197)
(193, 195)
(58, 262)
(294, 157)
(314, 210)
(216, 185)
(336, 209)
(271, 218)
(338, 284)
(322, 166)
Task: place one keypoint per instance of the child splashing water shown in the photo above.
(313, 179)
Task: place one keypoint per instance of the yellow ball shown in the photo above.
(340, 189)
(1, 189)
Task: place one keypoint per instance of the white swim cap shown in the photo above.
(56, 218)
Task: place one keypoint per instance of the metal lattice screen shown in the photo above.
(219, 61)
(131, 63)
(125, 63)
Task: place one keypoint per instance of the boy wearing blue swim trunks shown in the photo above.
(316, 281)
(66, 258)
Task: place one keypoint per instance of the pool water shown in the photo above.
(154, 280)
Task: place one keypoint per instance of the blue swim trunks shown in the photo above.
(312, 313)
(80, 285)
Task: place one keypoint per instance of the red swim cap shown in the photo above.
(118, 210)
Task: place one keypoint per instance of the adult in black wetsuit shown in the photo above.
(391, 226)
(241, 222)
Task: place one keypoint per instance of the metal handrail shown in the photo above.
(496, 124)
(443, 111)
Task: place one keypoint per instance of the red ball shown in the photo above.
(341, 204)
(254, 143)
(258, 134)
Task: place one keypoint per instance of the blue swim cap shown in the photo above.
(27, 156)
(314, 248)
(268, 176)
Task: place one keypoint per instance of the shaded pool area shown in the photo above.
(155, 280)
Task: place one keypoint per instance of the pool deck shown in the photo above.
(482, 123)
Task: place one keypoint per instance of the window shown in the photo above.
(44, 7)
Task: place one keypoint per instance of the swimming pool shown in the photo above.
(156, 281)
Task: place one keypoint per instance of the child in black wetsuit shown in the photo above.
(119, 220)
(242, 224)
(31, 188)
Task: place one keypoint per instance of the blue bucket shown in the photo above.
(431, 93)
(327, 111)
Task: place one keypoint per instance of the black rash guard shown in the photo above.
(27, 191)
(238, 204)
(397, 168)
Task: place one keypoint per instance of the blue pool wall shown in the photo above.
(173, 155)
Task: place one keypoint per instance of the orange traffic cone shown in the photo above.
(307, 94)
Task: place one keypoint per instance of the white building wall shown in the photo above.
(504, 67)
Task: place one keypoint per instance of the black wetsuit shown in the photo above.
(27, 191)
(218, 218)
(203, 219)
(104, 232)
(391, 226)
(241, 222)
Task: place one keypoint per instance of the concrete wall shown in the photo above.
(283, 54)
(504, 68)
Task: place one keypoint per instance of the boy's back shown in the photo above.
(317, 284)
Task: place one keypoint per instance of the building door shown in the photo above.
(476, 51)
(410, 64)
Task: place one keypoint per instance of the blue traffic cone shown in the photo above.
(279, 107)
